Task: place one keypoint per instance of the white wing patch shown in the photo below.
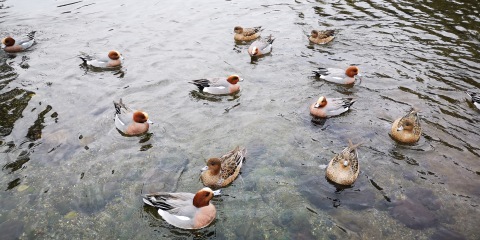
(120, 121)
(183, 218)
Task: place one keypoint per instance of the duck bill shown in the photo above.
(359, 77)
(204, 168)
(399, 128)
(217, 192)
(317, 105)
(149, 121)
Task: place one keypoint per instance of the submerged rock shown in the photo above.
(326, 196)
(417, 210)
(11, 229)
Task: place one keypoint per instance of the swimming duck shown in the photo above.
(184, 210)
(332, 107)
(337, 75)
(113, 59)
(475, 98)
(220, 172)
(218, 85)
(11, 45)
(261, 46)
(321, 37)
(130, 122)
(343, 169)
(246, 34)
(407, 129)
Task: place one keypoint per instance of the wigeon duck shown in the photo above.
(113, 59)
(184, 210)
(407, 129)
(324, 107)
(321, 37)
(220, 172)
(11, 45)
(246, 34)
(261, 46)
(337, 75)
(218, 85)
(130, 122)
(474, 98)
(343, 169)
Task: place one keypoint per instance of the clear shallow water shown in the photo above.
(68, 173)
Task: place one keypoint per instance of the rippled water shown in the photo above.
(68, 173)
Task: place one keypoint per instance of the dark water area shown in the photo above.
(67, 173)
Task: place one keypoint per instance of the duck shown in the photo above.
(324, 107)
(220, 172)
(246, 34)
(337, 75)
(343, 169)
(184, 210)
(218, 85)
(261, 46)
(322, 37)
(10, 45)
(113, 59)
(130, 122)
(407, 129)
(474, 98)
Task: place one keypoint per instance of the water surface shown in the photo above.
(68, 173)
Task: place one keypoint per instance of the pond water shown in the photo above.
(67, 173)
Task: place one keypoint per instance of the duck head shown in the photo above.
(8, 41)
(321, 102)
(314, 34)
(352, 71)
(407, 125)
(238, 30)
(141, 117)
(114, 55)
(213, 165)
(202, 198)
(233, 79)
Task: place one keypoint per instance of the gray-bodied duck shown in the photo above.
(129, 121)
(474, 98)
(184, 210)
(261, 46)
(324, 108)
(10, 45)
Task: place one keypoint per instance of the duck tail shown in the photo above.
(243, 152)
(330, 32)
(84, 59)
(31, 35)
(157, 200)
(474, 96)
(320, 72)
(351, 146)
(414, 110)
(200, 83)
(270, 39)
(348, 102)
(258, 29)
(118, 106)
